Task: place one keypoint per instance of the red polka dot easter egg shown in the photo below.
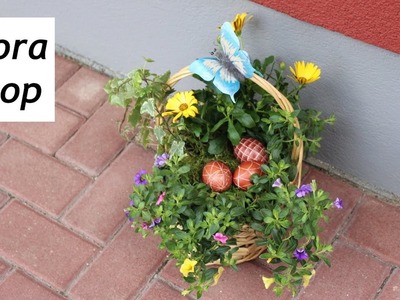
(250, 149)
(242, 174)
(217, 176)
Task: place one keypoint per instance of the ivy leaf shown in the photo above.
(177, 148)
(117, 100)
(134, 117)
(148, 107)
(159, 133)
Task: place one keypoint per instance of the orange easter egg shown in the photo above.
(217, 176)
(242, 174)
(250, 149)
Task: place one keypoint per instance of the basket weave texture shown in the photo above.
(246, 239)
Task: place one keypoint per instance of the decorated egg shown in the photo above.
(242, 174)
(217, 176)
(250, 149)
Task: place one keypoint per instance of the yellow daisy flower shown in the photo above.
(187, 267)
(305, 72)
(181, 104)
(239, 22)
(268, 281)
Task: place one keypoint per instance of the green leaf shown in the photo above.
(148, 59)
(257, 215)
(171, 245)
(134, 117)
(148, 107)
(179, 234)
(217, 146)
(218, 125)
(280, 269)
(159, 133)
(233, 134)
(184, 169)
(269, 60)
(177, 148)
(209, 273)
(117, 100)
(246, 120)
(257, 226)
(326, 260)
(213, 228)
(237, 211)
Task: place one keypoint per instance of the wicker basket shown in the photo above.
(246, 239)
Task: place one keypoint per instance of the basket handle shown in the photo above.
(283, 102)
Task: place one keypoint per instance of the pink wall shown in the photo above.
(375, 22)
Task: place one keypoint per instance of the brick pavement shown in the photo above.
(63, 234)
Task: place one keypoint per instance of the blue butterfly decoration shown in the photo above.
(229, 67)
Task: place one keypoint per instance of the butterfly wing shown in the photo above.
(231, 47)
(209, 68)
(226, 83)
(205, 67)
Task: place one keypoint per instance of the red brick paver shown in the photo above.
(19, 287)
(96, 143)
(38, 178)
(3, 198)
(392, 289)
(64, 235)
(100, 210)
(83, 92)
(377, 228)
(160, 290)
(65, 68)
(47, 137)
(43, 248)
(122, 270)
(353, 275)
(3, 137)
(3, 268)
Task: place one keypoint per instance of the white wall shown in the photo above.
(360, 82)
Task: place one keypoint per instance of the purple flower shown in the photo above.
(160, 198)
(139, 179)
(220, 237)
(161, 160)
(127, 214)
(338, 203)
(300, 254)
(304, 190)
(277, 183)
(154, 223)
(132, 203)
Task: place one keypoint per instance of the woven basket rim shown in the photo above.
(282, 101)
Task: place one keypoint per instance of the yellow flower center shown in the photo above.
(183, 107)
(301, 80)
